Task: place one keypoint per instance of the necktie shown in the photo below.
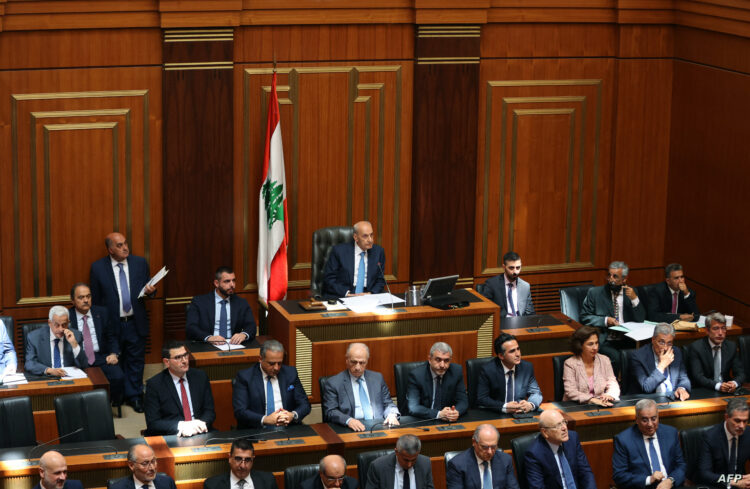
(717, 364)
(88, 344)
(364, 400)
(570, 482)
(185, 402)
(145, 486)
(56, 355)
(616, 306)
(361, 274)
(655, 465)
(509, 388)
(733, 456)
(270, 401)
(241, 483)
(510, 300)
(486, 476)
(124, 290)
(223, 319)
(407, 482)
(437, 402)
(674, 303)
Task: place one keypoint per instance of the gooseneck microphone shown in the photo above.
(46, 443)
(380, 267)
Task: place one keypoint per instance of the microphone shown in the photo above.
(98, 448)
(405, 425)
(380, 267)
(75, 432)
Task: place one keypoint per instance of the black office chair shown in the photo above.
(744, 343)
(323, 381)
(519, 446)
(626, 379)
(294, 475)
(28, 328)
(480, 288)
(17, 422)
(364, 460)
(558, 362)
(89, 410)
(571, 300)
(448, 456)
(112, 482)
(692, 440)
(322, 241)
(401, 373)
(644, 293)
(473, 366)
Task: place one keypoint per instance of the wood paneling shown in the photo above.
(535, 40)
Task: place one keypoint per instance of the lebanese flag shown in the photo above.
(273, 221)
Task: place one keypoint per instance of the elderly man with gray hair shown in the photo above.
(658, 367)
(482, 465)
(436, 388)
(405, 465)
(50, 349)
(714, 361)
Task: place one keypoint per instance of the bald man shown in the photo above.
(331, 473)
(53, 472)
(355, 268)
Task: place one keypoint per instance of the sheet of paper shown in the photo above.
(74, 373)
(370, 302)
(639, 331)
(14, 379)
(228, 346)
(154, 280)
(702, 322)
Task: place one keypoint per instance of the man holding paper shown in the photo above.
(355, 268)
(116, 282)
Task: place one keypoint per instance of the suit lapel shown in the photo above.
(375, 405)
(551, 462)
(109, 270)
(664, 450)
(283, 388)
(349, 263)
(170, 387)
(46, 353)
(212, 313)
(348, 390)
(194, 392)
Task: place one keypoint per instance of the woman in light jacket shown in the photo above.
(588, 375)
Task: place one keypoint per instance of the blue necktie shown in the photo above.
(486, 477)
(124, 290)
(361, 275)
(223, 319)
(437, 402)
(364, 401)
(270, 403)
(510, 300)
(509, 388)
(655, 465)
(570, 482)
(56, 355)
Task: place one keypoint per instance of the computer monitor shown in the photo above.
(436, 287)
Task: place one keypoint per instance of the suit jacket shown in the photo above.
(7, 351)
(630, 462)
(463, 471)
(541, 466)
(701, 365)
(162, 481)
(338, 397)
(577, 384)
(106, 335)
(249, 400)
(420, 391)
(714, 459)
(104, 290)
(643, 370)
(315, 483)
(261, 480)
(660, 304)
(69, 484)
(496, 291)
(163, 406)
(491, 385)
(382, 473)
(338, 275)
(201, 317)
(598, 305)
(39, 356)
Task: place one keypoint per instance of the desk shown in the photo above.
(316, 342)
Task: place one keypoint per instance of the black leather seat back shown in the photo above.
(744, 344)
(89, 410)
(16, 422)
(519, 446)
(626, 381)
(480, 289)
(323, 381)
(473, 366)
(364, 460)
(294, 475)
(571, 300)
(692, 440)
(448, 456)
(558, 363)
(644, 293)
(322, 241)
(28, 328)
(401, 373)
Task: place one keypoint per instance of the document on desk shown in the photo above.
(14, 379)
(229, 346)
(73, 373)
(636, 331)
(370, 302)
(154, 280)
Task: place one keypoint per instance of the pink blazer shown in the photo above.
(577, 385)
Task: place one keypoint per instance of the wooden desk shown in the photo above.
(316, 342)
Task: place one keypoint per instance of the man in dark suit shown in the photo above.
(714, 361)
(178, 399)
(405, 462)
(726, 449)
(250, 394)
(496, 289)
(648, 454)
(50, 349)
(142, 463)
(671, 299)
(53, 472)
(355, 268)
(507, 383)
(241, 456)
(557, 455)
(331, 473)
(659, 368)
(116, 281)
(100, 343)
(220, 316)
(436, 389)
(357, 393)
(470, 468)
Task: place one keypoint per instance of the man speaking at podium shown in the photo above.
(355, 268)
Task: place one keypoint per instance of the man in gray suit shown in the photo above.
(48, 350)
(358, 394)
(509, 291)
(414, 470)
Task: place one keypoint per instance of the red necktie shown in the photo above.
(88, 343)
(674, 303)
(185, 402)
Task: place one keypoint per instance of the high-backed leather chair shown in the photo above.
(473, 366)
(558, 363)
(691, 441)
(571, 300)
(401, 373)
(364, 460)
(626, 380)
(744, 344)
(322, 241)
(16, 422)
(28, 328)
(448, 456)
(323, 381)
(519, 446)
(89, 410)
(294, 475)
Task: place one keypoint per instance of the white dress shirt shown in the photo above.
(61, 347)
(176, 382)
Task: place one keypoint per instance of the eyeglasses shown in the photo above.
(243, 460)
(181, 357)
(487, 448)
(664, 343)
(334, 479)
(558, 426)
(147, 463)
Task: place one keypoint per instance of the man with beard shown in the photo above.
(142, 462)
(53, 471)
(220, 316)
(726, 449)
(509, 291)
(241, 457)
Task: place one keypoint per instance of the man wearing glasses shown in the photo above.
(482, 465)
(142, 463)
(241, 475)
(48, 350)
(658, 367)
(331, 473)
(715, 363)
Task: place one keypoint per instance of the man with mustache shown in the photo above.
(509, 291)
